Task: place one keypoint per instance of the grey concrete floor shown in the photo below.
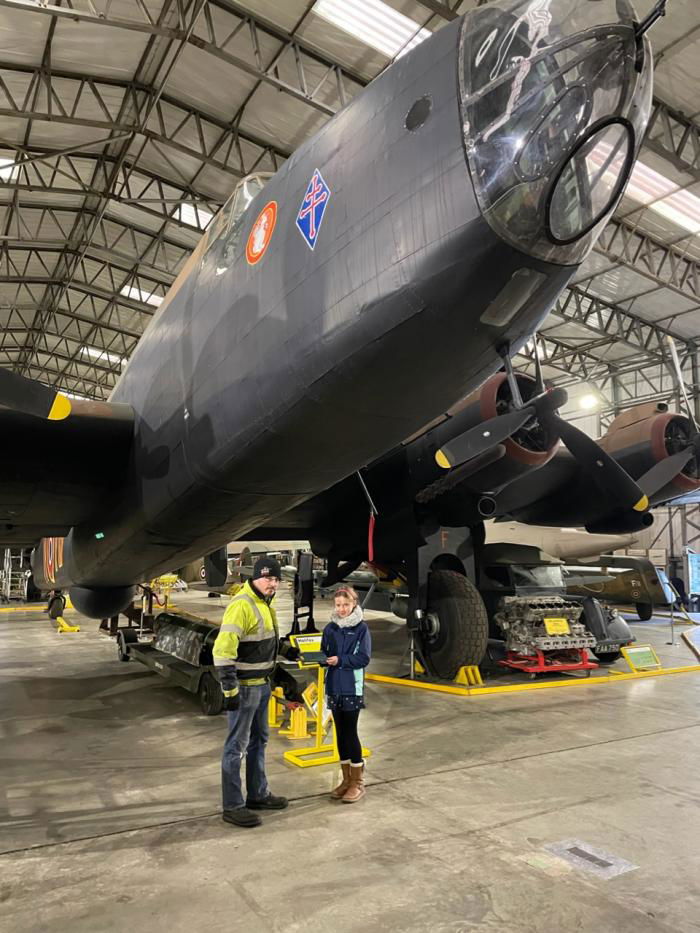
(109, 812)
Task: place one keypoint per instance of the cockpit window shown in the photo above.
(224, 230)
(589, 182)
(536, 76)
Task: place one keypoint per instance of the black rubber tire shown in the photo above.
(608, 657)
(463, 632)
(211, 699)
(644, 610)
(122, 647)
(56, 607)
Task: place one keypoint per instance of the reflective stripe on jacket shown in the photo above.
(245, 649)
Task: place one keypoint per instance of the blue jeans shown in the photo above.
(248, 733)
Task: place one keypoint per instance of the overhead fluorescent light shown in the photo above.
(374, 23)
(8, 170)
(103, 355)
(651, 188)
(130, 291)
(193, 215)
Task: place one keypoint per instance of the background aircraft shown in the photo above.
(564, 543)
(341, 307)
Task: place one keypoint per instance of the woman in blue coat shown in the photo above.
(347, 645)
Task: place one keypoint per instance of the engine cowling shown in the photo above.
(526, 450)
(646, 434)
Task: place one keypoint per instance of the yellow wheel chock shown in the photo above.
(470, 676)
(63, 626)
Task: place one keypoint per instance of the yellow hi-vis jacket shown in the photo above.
(245, 649)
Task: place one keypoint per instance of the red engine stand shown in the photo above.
(551, 662)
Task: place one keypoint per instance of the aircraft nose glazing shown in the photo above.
(555, 95)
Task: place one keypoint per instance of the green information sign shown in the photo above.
(641, 657)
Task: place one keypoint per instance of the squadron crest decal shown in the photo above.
(261, 233)
(312, 209)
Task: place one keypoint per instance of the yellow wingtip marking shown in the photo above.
(442, 460)
(60, 409)
(642, 505)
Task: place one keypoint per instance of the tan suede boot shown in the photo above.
(340, 790)
(357, 784)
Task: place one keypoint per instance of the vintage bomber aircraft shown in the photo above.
(332, 311)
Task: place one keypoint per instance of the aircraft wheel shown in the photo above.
(211, 699)
(458, 629)
(608, 657)
(644, 610)
(56, 607)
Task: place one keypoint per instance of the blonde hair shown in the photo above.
(348, 591)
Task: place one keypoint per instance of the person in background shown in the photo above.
(347, 645)
(245, 653)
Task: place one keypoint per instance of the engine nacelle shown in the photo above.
(101, 602)
(646, 434)
(526, 450)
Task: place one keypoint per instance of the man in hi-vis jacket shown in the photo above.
(245, 653)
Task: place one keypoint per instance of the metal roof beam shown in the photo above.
(675, 137)
(71, 99)
(619, 326)
(665, 265)
(236, 28)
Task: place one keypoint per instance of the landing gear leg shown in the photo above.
(446, 616)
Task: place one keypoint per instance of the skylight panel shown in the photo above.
(374, 23)
(8, 170)
(654, 190)
(103, 355)
(194, 216)
(131, 291)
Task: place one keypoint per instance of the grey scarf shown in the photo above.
(353, 619)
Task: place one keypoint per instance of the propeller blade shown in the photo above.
(678, 372)
(616, 483)
(482, 437)
(664, 472)
(32, 398)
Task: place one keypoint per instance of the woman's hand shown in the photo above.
(332, 661)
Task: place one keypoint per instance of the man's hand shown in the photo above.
(232, 703)
(288, 651)
(332, 661)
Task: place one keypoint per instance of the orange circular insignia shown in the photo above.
(261, 234)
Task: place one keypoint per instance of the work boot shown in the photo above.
(268, 803)
(241, 816)
(340, 790)
(356, 790)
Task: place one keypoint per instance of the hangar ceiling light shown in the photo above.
(588, 401)
(375, 23)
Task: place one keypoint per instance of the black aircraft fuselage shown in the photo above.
(458, 196)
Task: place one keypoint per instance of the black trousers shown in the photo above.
(349, 745)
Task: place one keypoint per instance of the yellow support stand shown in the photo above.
(298, 725)
(274, 710)
(319, 753)
(469, 676)
(63, 626)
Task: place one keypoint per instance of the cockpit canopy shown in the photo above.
(556, 95)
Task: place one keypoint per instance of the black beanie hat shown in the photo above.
(267, 567)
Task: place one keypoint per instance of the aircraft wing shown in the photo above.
(54, 473)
